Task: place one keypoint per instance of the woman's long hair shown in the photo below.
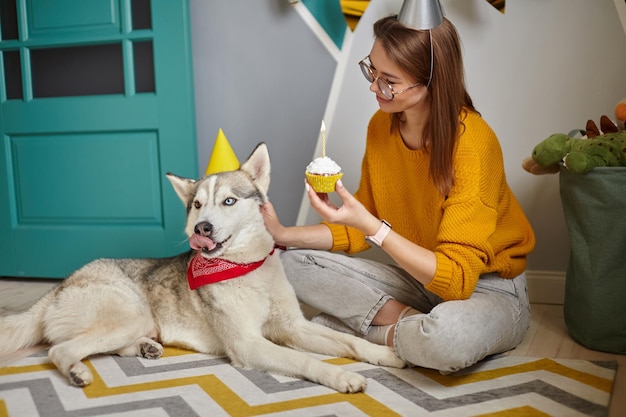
(410, 49)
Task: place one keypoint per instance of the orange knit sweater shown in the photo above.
(479, 228)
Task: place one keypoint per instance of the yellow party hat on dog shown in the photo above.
(223, 157)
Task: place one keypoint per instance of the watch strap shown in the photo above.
(380, 236)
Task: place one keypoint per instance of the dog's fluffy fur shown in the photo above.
(131, 307)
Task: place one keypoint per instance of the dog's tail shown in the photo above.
(22, 330)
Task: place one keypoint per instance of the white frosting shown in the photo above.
(323, 165)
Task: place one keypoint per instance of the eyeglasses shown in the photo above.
(383, 84)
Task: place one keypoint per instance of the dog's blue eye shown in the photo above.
(230, 201)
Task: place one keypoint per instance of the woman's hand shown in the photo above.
(316, 236)
(272, 223)
(351, 213)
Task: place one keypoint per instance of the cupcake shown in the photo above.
(322, 174)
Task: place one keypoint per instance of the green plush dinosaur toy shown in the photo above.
(578, 155)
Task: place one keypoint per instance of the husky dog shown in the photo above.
(131, 307)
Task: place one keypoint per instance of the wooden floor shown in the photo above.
(547, 337)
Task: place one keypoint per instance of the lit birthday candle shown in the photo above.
(323, 133)
(323, 173)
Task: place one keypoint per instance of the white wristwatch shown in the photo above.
(382, 233)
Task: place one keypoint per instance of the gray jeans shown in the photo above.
(449, 336)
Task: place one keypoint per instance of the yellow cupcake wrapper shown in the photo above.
(323, 183)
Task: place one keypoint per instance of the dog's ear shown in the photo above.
(184, 187)
(258, 167)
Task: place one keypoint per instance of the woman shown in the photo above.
(434, 196)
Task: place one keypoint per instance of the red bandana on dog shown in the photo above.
(204, 271)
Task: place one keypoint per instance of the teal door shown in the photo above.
(96, 105)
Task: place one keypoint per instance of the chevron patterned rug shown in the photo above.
(184, 383)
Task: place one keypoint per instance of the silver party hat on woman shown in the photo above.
(421, 14)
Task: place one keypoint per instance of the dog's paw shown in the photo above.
(80, 375)
(384, 356)
(350, 382)
(392, 360)
(151, 349)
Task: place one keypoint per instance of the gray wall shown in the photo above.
(262, 76)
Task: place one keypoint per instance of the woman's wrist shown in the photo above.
(285, 236)
(372, 226)
(312, 237)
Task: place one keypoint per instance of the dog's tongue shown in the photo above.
(198, 242)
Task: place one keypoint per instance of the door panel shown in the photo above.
(84, 161)
(93, 113)
(45, 17)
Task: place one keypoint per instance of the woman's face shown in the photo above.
(399, 80)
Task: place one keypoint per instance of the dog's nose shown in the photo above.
(203, 229)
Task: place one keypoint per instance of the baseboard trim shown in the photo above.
(546, 287)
